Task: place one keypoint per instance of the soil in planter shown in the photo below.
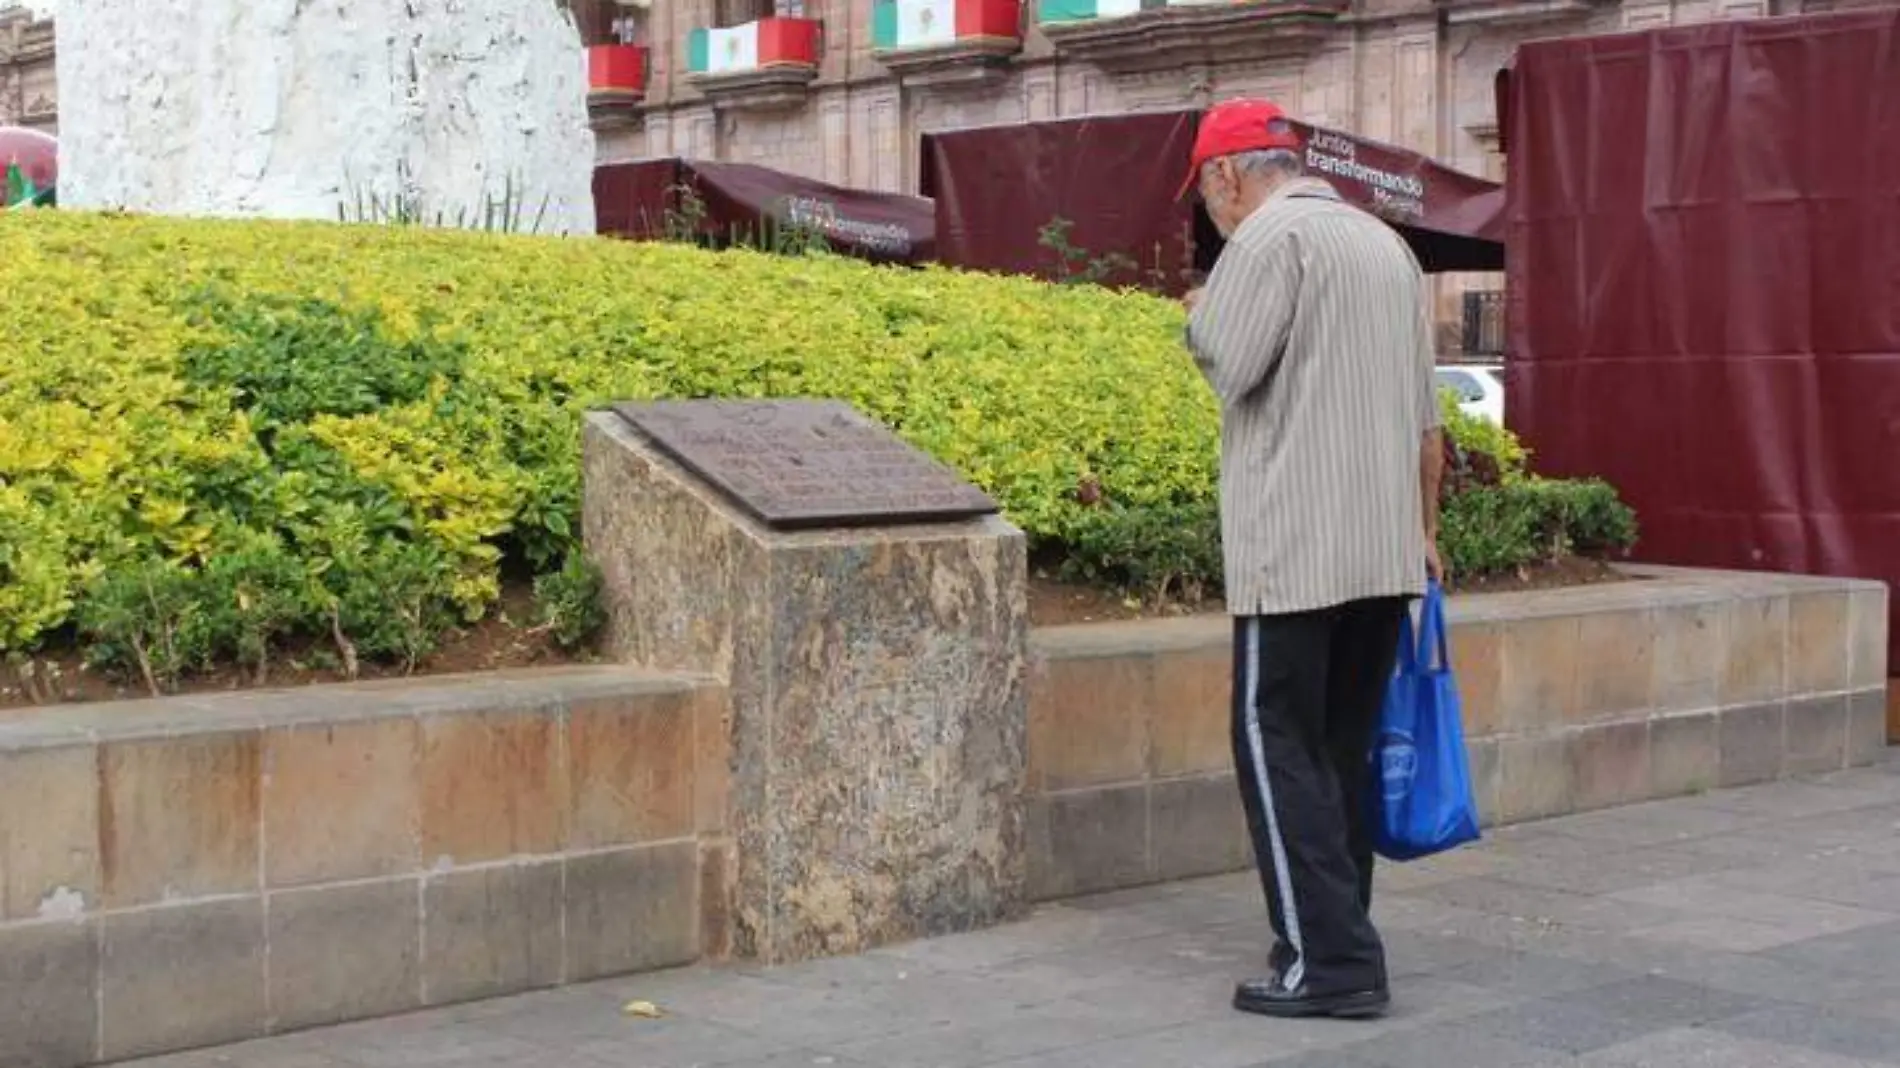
(505, 641)
(1053, 603)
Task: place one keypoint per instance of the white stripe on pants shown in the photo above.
(1282, 871)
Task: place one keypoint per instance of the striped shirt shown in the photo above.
(1313, 330)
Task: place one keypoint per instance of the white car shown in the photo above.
(1480, 389)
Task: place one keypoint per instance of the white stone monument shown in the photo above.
(308, 108)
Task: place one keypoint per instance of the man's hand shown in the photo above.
(1192, 298)
(1434, 564)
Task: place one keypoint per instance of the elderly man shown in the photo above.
(1312, 330)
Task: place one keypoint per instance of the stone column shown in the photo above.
(877, 677)
(293, 109)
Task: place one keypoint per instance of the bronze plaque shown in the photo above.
(804, 464)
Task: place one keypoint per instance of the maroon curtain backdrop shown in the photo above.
(1116, 178)
(1704, 279)
(1113, 177)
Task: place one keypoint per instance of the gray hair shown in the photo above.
(1284, 160)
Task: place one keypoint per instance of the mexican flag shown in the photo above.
(722, 51)
(1085, 10)
(913, 24)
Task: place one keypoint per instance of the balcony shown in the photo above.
(764, 65)
(616, 83)
(1130, 35)
(1514, 12)
(946, 42)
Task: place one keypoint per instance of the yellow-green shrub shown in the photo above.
(395, 410)
(216, 433)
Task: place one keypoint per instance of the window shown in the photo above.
(739, 12)
(611, 22)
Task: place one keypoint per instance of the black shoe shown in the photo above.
(1270, 997)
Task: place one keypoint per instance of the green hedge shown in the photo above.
(217, 435)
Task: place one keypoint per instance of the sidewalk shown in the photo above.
(1754, 928)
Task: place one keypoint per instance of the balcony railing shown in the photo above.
(1058, 11)
(1160, 34)
(910, 25)
(767, 44)
(764, 65)
(616, 74)
(939, 42)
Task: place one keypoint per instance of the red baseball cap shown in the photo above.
(1236, 126)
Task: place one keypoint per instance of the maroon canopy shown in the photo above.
(1453, 221)
(741, 204)
(1115, 178)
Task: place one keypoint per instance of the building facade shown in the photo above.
(29, 94)
(1418, 73)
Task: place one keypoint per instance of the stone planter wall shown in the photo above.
(202, 870)
(1574, 699)
(196, 871)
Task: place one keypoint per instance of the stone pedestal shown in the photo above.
(877, 679)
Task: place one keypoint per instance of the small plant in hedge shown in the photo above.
(251, 598)
(568, 604)
(1163, 553)
(1077, 266)
(147, 615)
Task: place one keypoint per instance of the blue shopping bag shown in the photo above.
(1420, 781)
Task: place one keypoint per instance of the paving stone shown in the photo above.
(1756, 975)
(1409, 953)
(1613, 871)
(1031, 1032)
(1560, 1025)
(1448, 1045)
(436, 1047)
(675, 1041)
(1805, 1027)
(1797, 799)
(1651, 823)
(1540, 904)
(1724, 934)
(1703, 1048)
(1869, 951)
(1316, 1059)
(1839, 880)
(1531, 975)
(1238, 1041)
(1662, 1001)
(1707, 897)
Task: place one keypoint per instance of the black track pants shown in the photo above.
(1307, 693)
